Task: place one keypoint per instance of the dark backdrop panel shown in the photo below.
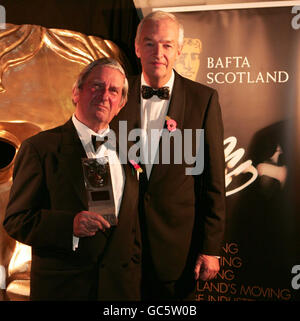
(262, 239)
(115, 20)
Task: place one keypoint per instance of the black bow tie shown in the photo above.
(97, 143)
(162, 93)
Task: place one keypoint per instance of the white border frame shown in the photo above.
(267, 4)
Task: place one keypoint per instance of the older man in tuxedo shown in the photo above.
(76, 254)
(182, 216)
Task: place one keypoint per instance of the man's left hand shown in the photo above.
(207, 267)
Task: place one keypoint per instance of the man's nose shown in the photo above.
(158, 50)
(103, 94)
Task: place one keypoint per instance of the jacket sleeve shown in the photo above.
(214, 179)
(29, 218)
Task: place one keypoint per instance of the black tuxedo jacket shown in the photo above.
(48, 191)
(184, 214)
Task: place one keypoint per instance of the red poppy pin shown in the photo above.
(171, 124)
(136, 166)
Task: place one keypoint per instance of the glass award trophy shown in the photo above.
(99, 188)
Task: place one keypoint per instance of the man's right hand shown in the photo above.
(88, 223)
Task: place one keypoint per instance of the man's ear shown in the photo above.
(75, 95)
(179, 50)
(137, 50)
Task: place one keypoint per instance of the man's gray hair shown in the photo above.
(105, 62)
(157, 16)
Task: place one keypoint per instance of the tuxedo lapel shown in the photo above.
(176, 112)
(130, 176)
(177, 103)
(129, 194)
(71, 153)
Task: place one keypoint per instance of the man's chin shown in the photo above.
(158, 74)
(102, 116)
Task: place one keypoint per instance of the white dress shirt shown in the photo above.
(153, 113)
(116, 169)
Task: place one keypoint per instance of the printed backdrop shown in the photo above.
(251, 56)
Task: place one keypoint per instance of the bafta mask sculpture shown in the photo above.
(188, 62)
(38, 67)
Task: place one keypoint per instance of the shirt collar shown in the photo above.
(85, 132)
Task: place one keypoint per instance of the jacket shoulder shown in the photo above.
(46, 138)
(196, 86)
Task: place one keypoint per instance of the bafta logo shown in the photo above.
(188, 62)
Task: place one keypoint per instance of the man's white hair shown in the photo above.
(105, 62)
(157, 16)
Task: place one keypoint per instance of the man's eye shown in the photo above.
(114, 90)
(96, 87)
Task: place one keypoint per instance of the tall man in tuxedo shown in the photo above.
(182, 215)
(76, 254)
